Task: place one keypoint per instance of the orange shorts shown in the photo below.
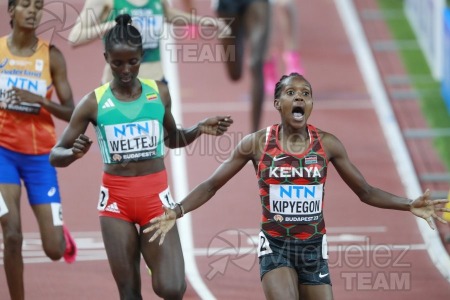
(134, 199)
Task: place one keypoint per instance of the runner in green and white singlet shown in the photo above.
(130, 131)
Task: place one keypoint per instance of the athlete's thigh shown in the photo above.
(10, 208)
(10, 190)
(316, 292)
(280, 283)
(121, 242)
(234, 43)
(257, 25)
(40, 180)
(49, 218)
(165, 261)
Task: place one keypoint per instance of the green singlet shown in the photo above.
(130, 131)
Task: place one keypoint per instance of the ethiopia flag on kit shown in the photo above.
(151, 96)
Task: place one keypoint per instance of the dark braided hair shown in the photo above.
(123, 33)
(280, 84)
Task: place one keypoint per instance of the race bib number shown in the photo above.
(57, 214)
(103, 198)
(35, 86)
(166, 198)
(296, 204)
(133, 141)
(263, 245)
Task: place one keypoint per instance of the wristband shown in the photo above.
(181, 210)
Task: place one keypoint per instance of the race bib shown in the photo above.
(103, 198)
(166, 198)
(296, 204)
(133, 141)
(35, 86)
(263, 245)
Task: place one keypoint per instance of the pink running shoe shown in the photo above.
(292, 63)
(270, 76)
(71, 248)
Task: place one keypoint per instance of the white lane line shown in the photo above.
(88, 248)
(180, 179)
(390, 127)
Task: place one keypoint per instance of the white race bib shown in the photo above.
(133, 141)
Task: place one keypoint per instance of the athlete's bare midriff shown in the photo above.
(135, 168)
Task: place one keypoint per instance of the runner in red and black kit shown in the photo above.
(298, 178)
(291, 187)
(290, 160)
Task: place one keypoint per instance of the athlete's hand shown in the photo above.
(161, 225)
(215, 125)
(426, 208)
(81, 146)
(16, 96)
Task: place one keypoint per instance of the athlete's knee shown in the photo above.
(129, 291)
(171, 290)
(54, 253)
(234, 74)
(130, 294)
(13, 241)
(53, 249)
(256, 64)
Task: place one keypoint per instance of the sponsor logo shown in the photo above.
(322, 275)
(278, 218)
(302, 219)
(113, 207)
(277, 158)
(117, 157)
(51, 192)
(4, 63)
(39, 65)
(108, 104)
(21, 63)
(311, 160)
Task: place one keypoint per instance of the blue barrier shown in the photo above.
(446, 60)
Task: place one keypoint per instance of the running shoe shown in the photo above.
(71, 247)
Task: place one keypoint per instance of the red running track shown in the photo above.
(224, 230)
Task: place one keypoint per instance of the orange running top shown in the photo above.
(26, 128)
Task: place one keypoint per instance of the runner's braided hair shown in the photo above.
(123, 33)
(280, 84)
